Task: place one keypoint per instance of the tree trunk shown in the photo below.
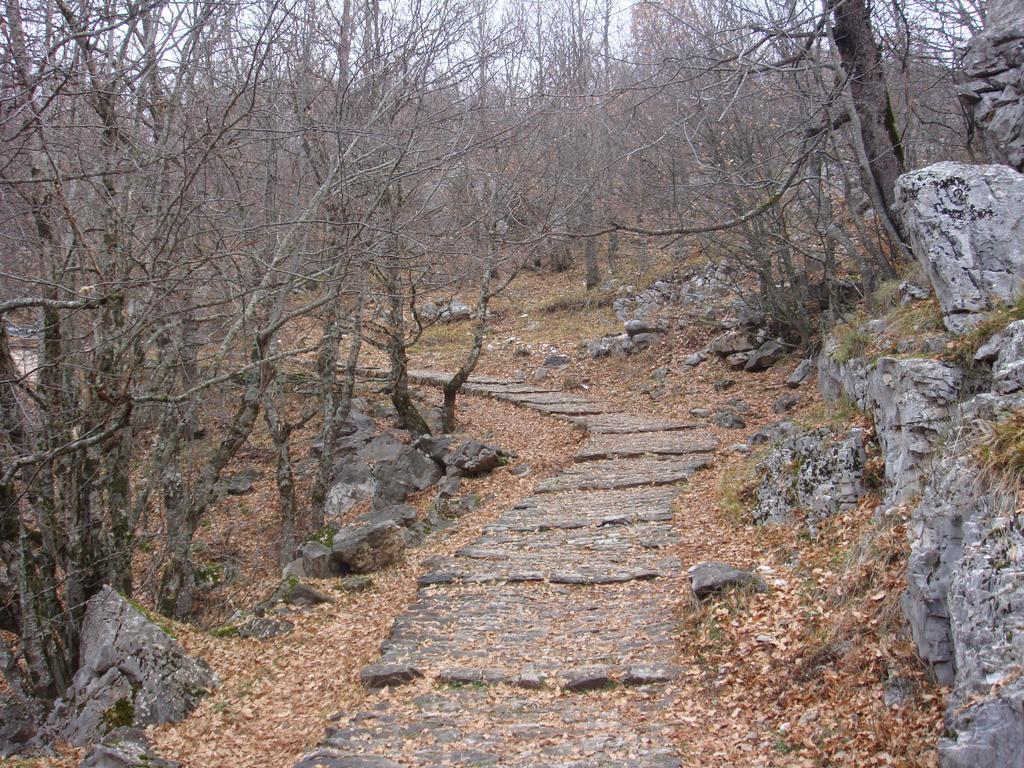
(861, 58)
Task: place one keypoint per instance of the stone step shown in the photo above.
(625, 473)
(673, 443)
(548, 627)
(470, 726)
(587, 509)
(623, 423)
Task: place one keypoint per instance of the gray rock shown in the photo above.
(801, 373)
(995, 91)
(737, 360)
(765, 356)
(694, 359)
(732, 342)
(707, 579)
(294, 593)
(125, 748)
(556, 361)
(1005, 350)
(473, 458)
(540, 374)
(411, 471)
(433, 446)
(240, 484)
(700, 413)
(636, 327)
(642, 674)
(399, 514)
(329, 758)
(587, 679)
(388, 675)
(739, 448)
(131, 673)
(316, 560)
(355, 583)
(366, 548)
(913, 292)
(728, 420)
(352, 483)
(773, 433)
(817, 471)
(966, 226)
(263, 628)
(454, 311)
(721, 385)
(911, 401)
(785, 403)
(644, 340)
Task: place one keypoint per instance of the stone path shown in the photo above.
(547, 642)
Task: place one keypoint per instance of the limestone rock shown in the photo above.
(131, 673)
(994, 62)
(473, 458)
(966, 226)
(911, 401)
(732, 342)
(316, 560)
(765, 356)
(708, 579)
(368, 547)
(801, 373)
(816, 471)
(125, 748)
(1005, 350)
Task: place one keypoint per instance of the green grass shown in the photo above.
(851, 341)
(1002, 452)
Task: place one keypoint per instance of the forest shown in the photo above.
(216, 217)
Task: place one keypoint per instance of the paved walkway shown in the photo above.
(548, 641)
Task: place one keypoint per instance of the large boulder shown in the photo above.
(368, 547)
(472, 458)
(131, 673)
(966, 226)
(994, 62)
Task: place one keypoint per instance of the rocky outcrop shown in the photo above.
(368, 547)
(911, 400)
(131, 673)
(816, 471)
(966, 226)
(994, 62)
(1005, 353)
(125, 748)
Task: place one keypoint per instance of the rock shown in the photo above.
(531, 679)
(263, 628)
(636, 327)
(454, 311)
(433, 446)
(649, 674)
(801, 373)
(772, 433)
(131, 673)
(399, 514)
(587, 679)
(785, 403)
(292, 592)
(522, 350)
(355, 583)
(316, 560)
(352, 482)
(521, 470)
(721, 385)
(540, 374)
(125, 748)
(911, 400)
(366, 548)
(449, 486)
(473, 458)
(737, 360)
(708, 579)
(966, 226)
(700, 413)
(739, 448)
(995, 91)
(556, 361)
(1005, 350)
(816, 471)
(765, 356)
(694, 359)
(329, 758)
(732, 342)
(240, 484)
(913, 292)
(728, 420)
(644, 340)
(740, 406)
(388, 675)
(411, 471)
(17, 727)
